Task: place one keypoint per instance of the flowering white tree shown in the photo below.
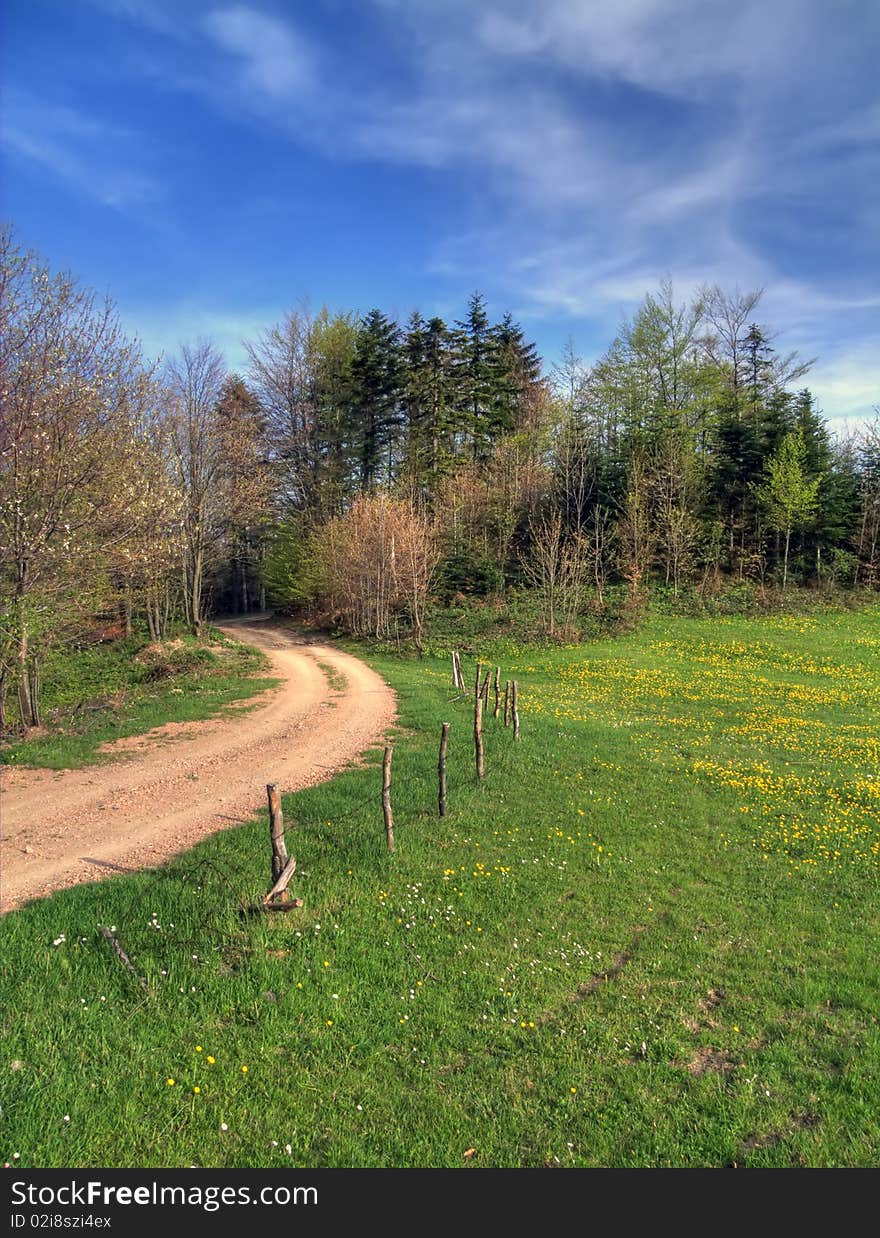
(74, 395)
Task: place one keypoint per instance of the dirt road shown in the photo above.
(182, 782)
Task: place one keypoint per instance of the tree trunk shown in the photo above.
(386, 797)
(34, 686)
(25, 706)
(441, 769)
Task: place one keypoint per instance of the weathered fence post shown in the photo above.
(484, 692)
(386, 796)
(497, 709)
(507, 702)
(454, 671)
(276, 831)
(283, 866)
(478, 682)
(515, 710)
(441, 769)
(478, 735)
(459, 676)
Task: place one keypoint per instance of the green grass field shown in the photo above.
(648, 938)
(106, 691)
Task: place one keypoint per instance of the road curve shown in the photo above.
(180, 783)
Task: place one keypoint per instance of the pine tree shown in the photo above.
(517, 374)
(375, 398)
(475, 379)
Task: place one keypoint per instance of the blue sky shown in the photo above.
(211, 164)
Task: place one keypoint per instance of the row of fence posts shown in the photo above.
(510, 698)
(284, 866)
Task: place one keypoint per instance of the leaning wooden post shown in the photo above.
(478, 735)
(454, 671)
(497, 709)
(459, 677)
(478, 683)
(507, 702)
(441, 768)
(515, 710)
(386, 796)
(484, 693)
(276, 831)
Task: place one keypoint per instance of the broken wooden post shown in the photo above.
(386, 796)
(441, 769)
(276, 831)
(279, 889)
(497, 709)
(515, 710)
(458, 677)
(507, 702)
(126, 962)
(478, 735)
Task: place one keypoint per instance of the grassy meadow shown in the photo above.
(648, 938)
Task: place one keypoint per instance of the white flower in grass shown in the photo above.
(223, 1126)
(59, 940)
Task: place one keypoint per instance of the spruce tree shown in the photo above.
(375, 398)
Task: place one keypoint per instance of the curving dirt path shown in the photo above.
(185, 781)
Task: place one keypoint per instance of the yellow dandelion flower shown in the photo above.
(197, 1089)
(170, 1082)
(211, 1060)
(244, 1070)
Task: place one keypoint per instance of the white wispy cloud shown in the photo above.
(88, 153)
(537, 116)
(274, 59)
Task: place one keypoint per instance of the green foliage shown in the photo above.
(461, 573)
(289, 571)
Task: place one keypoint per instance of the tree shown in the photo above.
(375, 398)
(635, 531)
(866, 540)
(73, 392)
(245, 483)
(195, 380)
(282, 376)
(788, 494)
(377, 562)
(475, 378)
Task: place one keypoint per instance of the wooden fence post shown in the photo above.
(478, 735)
(484, 691)
(276, 831)
(441, 768)
(459, 676)
(454, 671)
(507, 702)
(497, 709)
(478, 682)
(515, 710)
(386, 796)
